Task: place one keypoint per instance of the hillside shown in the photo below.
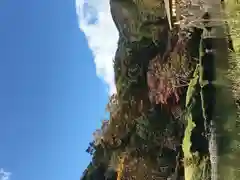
(175, 113)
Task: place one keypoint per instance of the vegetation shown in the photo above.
(175, 115)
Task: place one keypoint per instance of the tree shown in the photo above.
(175, 119)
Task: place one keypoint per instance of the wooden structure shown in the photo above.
(172, 11)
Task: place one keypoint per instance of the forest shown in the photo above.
(175, 115)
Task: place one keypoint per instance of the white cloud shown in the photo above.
(96, 22)
(4, 175)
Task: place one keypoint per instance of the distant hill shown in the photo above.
(175, 113)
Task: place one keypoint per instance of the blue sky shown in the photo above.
(51, 99)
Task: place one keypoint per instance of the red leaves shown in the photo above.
(162, 83)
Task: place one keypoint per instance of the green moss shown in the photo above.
(186, 141)
(196, 168)
(193, 87)
(195, 164)
(192, 90)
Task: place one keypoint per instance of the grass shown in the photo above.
(229, 151)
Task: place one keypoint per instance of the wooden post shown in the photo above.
(168, 8)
